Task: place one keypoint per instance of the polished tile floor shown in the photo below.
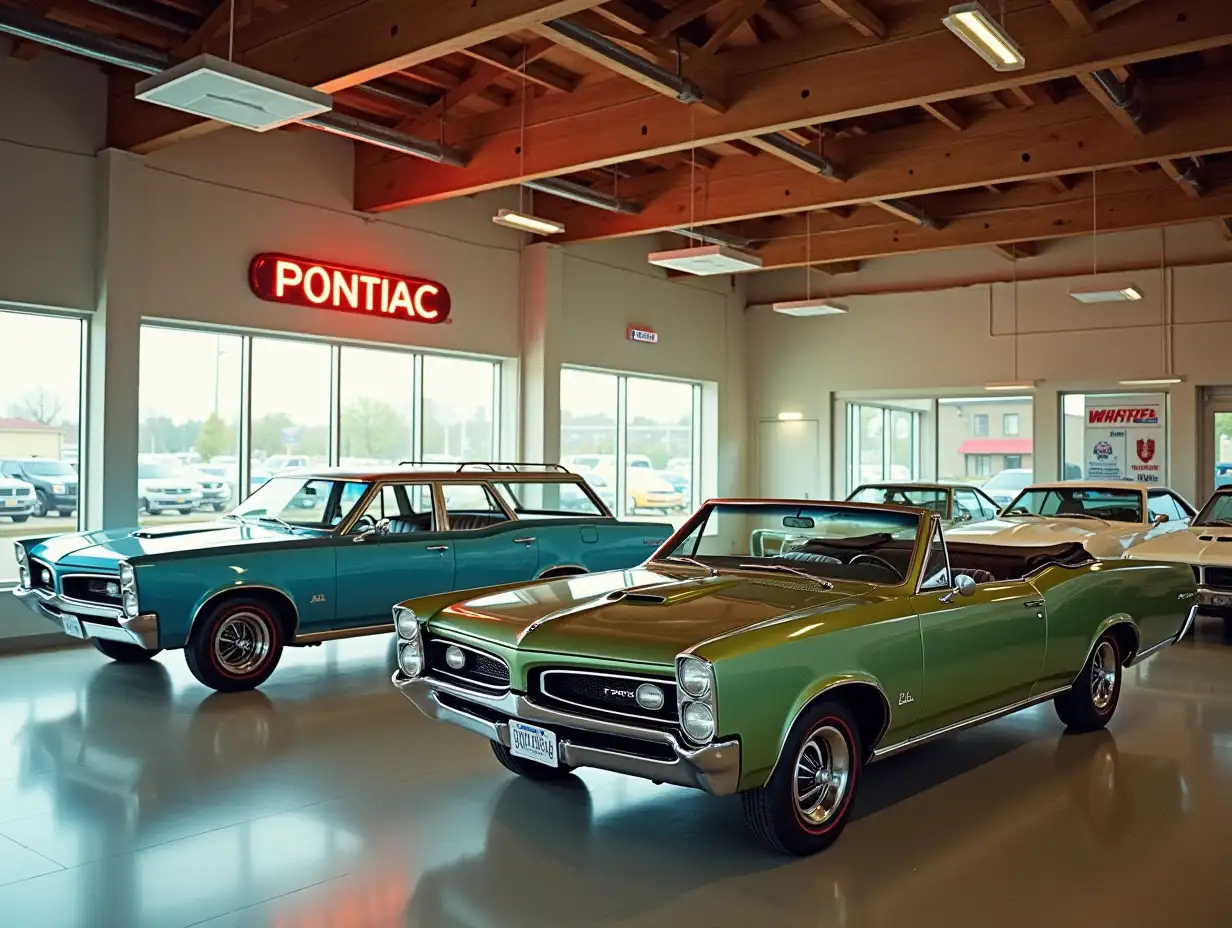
(130, 797)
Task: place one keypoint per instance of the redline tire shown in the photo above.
(822, 753)
(236, 645)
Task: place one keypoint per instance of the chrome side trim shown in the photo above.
(714, 768)
(335, 634)
(826, 689)
(1184, 630)
(657, 681)
(240, 589)
(893, 749)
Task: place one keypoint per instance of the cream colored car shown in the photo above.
(1107, 518)
(1206, 546)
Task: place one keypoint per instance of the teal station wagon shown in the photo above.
(320, 555)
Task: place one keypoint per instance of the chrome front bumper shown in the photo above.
(141, 630)
(714, 768)
(1220, 599)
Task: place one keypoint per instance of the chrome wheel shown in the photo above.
(242, 643)
(823, 772)
(1104, 672)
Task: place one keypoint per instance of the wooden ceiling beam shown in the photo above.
(1184, 176)
(801, 85)
(859, 17)
(1012, 251)
(1120, 114)
(1013, 145)
(946, 114)
(780, 22)
(680, 16)
(839, 267)
(1112, 8)
(334, 44)
(1225, 227)
(734, 20)
(548, 77)
(480, 79)
(1143, 208)
(1077, 14)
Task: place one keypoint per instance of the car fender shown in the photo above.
(825, 686)
(1119, 618)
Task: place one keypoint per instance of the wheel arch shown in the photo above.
(1128, 637)
(861, 693)
(561, 570)
(284, 606)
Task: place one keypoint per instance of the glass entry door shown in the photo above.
(1216, 462)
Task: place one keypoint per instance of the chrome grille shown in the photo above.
(1218, 578)
(605, 695)
(92, 589)
(481, 669)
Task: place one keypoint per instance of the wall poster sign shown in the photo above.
(1126, 438)
(304, 282)
(641, 333)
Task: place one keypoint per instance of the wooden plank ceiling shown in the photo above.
(927, 147)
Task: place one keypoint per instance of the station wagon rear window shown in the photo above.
(1111, 505)
(547, 500)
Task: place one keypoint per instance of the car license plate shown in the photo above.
(72, 626)
(11, 503)
(532, 742)
(179, 499)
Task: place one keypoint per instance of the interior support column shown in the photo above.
(542, 334)
(112, 419)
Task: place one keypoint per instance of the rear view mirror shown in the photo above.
(309, 491)
(799, 522)
(963, 586)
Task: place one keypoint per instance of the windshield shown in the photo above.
(1079, 502)
(1008, 480)
(48, 469)
(163, 471)
(826, 541)
(302, 501)
(1217, 511)
(927, 498)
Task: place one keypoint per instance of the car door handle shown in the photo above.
(523, 541)
(437, 548)
(1033, 604)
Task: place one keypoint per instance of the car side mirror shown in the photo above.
(963, 586)
(378, 530)
(1159, 518)
(382, 527)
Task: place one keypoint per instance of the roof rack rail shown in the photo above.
(493, 466)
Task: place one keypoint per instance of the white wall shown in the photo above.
(52, 121)
(954, 341)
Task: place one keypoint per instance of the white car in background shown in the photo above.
(1004, 485)
(166, 484)
(1206, 546)
(215, 488)
(1106, 518)
(17, 499)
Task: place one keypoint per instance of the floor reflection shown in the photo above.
(131, 796)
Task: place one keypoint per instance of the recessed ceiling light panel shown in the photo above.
(804, 308)
(214, 88)
(525, 222)
(1126, 294)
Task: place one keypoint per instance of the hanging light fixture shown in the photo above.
(985, 36)
(520, 218)
(809, 306)
(1117, 291)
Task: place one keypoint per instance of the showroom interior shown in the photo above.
(932, 266)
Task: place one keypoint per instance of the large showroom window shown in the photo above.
(1115, 436)
(291, 393)
(883, 443)
(189, 408)
(377, 407)
(651, 423)
(986, 440)
(40, 416)
(459, 409)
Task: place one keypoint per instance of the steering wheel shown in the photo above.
(880, 562)
(365, 523)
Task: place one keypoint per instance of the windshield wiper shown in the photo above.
(1077, 515)
(1223, 522)
(287, 525)
(681, 559)
(783, 568)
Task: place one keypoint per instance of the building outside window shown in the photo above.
(1009, 425)
(979, 465)
(986, 440)
(652, 423)
(40, 424)
(1012, 461)
(979, 425)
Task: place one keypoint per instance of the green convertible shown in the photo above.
(779, 670)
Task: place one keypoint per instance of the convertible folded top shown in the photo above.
(1014, 562)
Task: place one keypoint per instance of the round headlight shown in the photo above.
(127, 576)
(697, 720)
(130, 602)
(649, 697)
(23, 575)
(406, 622)
(455, 657)
(410, 660)
(20, 550)
(695, 677)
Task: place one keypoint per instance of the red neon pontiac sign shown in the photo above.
(301, 282)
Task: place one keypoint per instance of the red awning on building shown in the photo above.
(995, 446)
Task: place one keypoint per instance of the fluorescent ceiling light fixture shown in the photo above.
(1152, 382)
(222, 90)
(1019, 386)
(706, 260)
(1127, 294)
(525, 222)
(802, 308)
(790, 416)
(971, 23)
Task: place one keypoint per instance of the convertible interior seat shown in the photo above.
(979, 576)
(1013, 562)
(795, 555)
